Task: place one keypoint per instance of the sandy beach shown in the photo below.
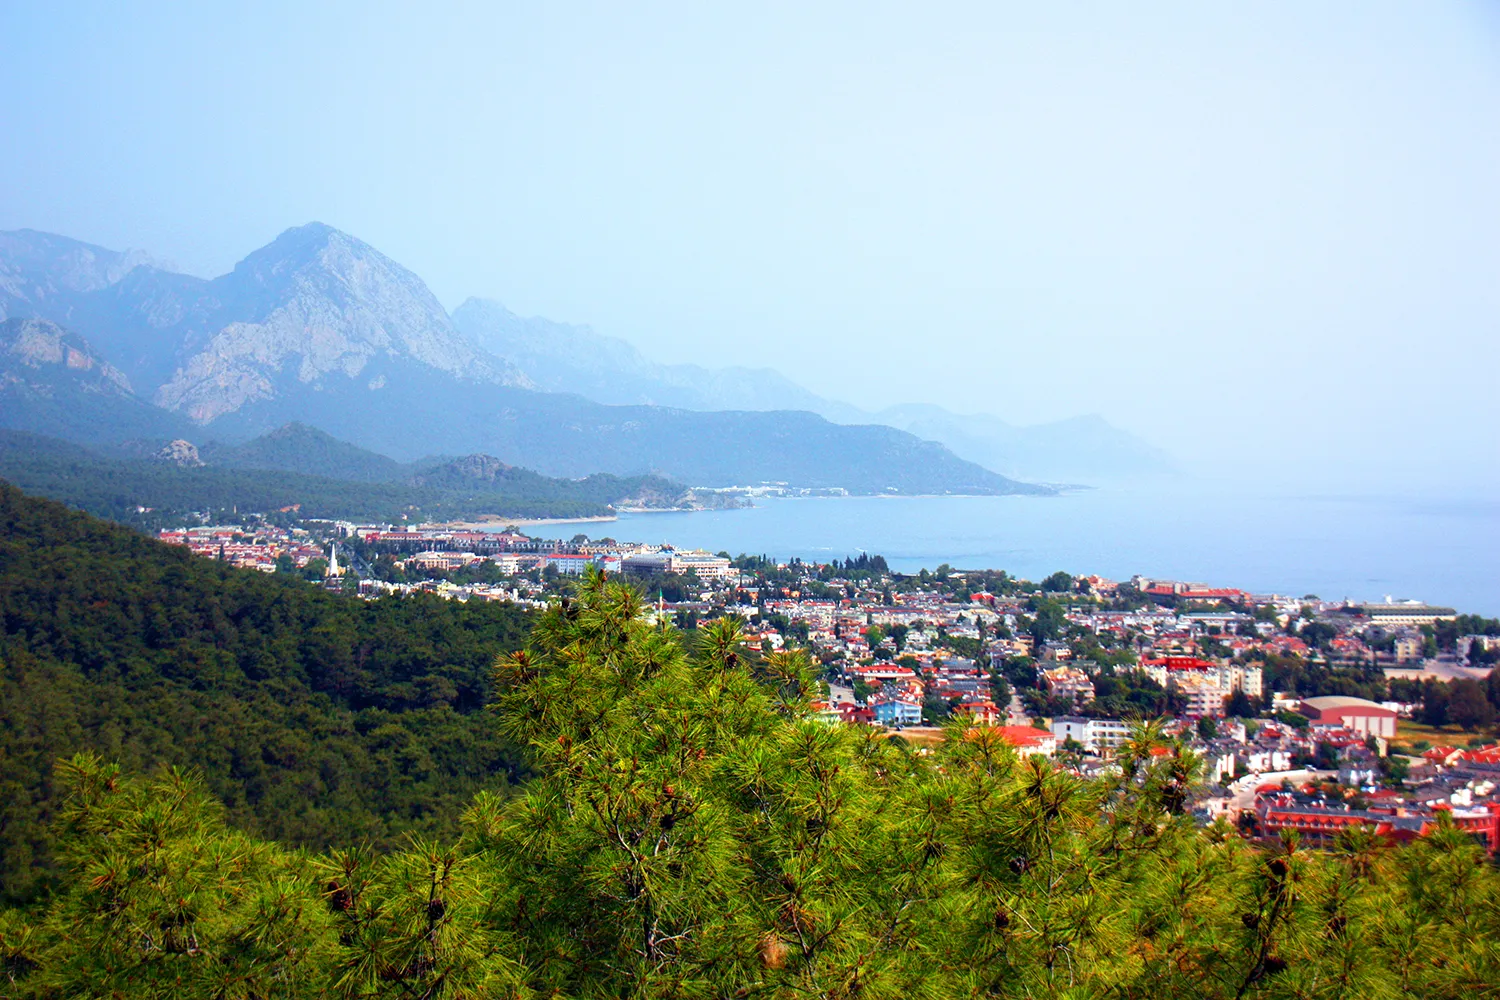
(497, 523)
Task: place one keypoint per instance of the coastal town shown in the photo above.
(1306, 714)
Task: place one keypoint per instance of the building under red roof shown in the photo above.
(1178, 663)
(1028, 740)
(1483, 755)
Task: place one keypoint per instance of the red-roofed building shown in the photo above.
(852, 713)
(1442, 755)
(1358, 715)
(1194, 592)
(1321, 823)
(1028, 740)
(1483, 755)
(983, 710)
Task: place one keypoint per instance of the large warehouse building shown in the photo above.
(1355, 714)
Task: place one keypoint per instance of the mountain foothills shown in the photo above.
(302, 471)
(685, 825)
(320, 328)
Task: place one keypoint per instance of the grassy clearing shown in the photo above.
(921, 736)
(1409, 731)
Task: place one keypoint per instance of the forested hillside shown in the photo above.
(692, 830)
(115, 488)
(314, 717)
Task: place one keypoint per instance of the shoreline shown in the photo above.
(496, 523)
(490, 523)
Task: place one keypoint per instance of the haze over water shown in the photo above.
(1438, 550)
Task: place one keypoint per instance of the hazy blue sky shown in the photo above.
(1268, 230)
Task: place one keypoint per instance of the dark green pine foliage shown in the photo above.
(691, 830)
(315, 718)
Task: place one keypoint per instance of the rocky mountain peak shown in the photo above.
(180, 452)
(317, 248)
(481, 467)
(317, 308)
(41, 345)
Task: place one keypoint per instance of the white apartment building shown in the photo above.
(705, 564)
(1096, 735)
(442, 560)
(510, 564)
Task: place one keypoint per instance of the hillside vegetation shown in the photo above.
(692, 831)
(115, 488)
(315, 718)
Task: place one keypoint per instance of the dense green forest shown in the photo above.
(315, 718)
(689, 830)
(297, 447)
(115, 488)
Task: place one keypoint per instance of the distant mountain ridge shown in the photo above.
(320, 328)
(308, 451)
(1079, 449)
(561, 357)
(313, 304)
(38, 268)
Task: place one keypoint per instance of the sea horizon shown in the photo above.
(1335, 545)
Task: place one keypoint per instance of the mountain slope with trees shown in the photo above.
(52, 381)
(313, 717)
(119, 488)
(309, 451)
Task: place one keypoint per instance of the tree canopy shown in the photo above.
(691, 829)
(315, 718)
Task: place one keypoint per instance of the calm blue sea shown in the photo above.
(1441, 551)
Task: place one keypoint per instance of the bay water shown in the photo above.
(1443, 551)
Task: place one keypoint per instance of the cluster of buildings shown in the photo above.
(1445, 784)
(1204, 684)
(959, 684)
(512, 553)
(260, 547)
(1322, 778)
(898, 655)
(1164, 645)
